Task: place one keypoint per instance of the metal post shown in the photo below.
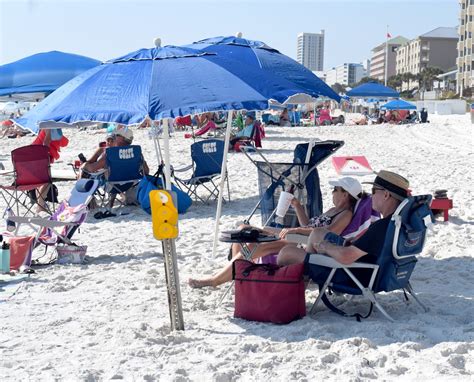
(222, 182)
(169, 252)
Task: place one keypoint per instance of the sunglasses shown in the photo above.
(375, 189)
(336, 189)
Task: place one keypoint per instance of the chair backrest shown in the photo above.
(124, 163)
(31, 165)
(404, 240)
(207, 157)
(364, 215)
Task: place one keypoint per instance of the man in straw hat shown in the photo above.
(388, 190)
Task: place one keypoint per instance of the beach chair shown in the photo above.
(206, 169)
(31, 170)
(404, 240)
(302, 173)
(61, 226)
(124, 170)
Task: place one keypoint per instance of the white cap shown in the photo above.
(351, 185)
(124, 132)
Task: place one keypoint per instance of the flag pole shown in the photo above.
(386, 57)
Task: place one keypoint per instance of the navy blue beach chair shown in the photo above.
(124, 169)
(404, 240)
(206, 169)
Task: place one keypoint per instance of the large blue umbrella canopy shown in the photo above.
(161, 83)
(259, 55)
(398, 104)
(373, 89)
(31, 77)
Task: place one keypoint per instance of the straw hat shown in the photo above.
(397, 185)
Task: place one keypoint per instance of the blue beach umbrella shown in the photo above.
(34, 76)
(398, 104)
(161, 83)
(260, 56)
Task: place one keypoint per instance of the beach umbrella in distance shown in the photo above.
(259, 55)
(373, 89)
(33, 77)
(398, 104)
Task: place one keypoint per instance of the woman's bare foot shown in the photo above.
(196, 283)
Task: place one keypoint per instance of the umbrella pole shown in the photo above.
(159, 156)
(169, 250)
(222, 184)
(166, 140)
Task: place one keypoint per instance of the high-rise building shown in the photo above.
(310, 50)
(436, 49)
(465, 60)
(377, 62)
(345, 74)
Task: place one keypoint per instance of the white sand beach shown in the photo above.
(109, 319)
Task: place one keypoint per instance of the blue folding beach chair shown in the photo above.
(302, 173)
(206, 168)
(404, 240)
(124, 170)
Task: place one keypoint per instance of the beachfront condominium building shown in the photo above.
(465, 59)
(345, 74)
(436, 49)
(380, 59)
(310, 50)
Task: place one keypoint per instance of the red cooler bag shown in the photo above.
(268, 293)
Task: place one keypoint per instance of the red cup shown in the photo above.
(102, 144)
(77, 163)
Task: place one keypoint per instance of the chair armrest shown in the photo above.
(183, 169)
(40, 221)
(327, 261)
(297, 238)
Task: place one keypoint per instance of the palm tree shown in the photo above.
(426, 78)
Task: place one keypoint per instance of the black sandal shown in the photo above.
(104, 215)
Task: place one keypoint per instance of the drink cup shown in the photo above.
(77, 163)
(284, 203)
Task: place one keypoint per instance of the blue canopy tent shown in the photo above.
(33, 77)
(259, 55)
(398, 104)
(373, 90)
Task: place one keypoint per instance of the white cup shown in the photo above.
(284, 203)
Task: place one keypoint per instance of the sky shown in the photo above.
(104, 29)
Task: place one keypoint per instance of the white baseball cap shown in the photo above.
(351, 185)
(125, 132)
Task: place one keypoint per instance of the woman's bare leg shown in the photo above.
(225, 274)
(290, 254)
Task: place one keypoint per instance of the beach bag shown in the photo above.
(21, 248)
(71, 254)
(154, 182)
(268, 293)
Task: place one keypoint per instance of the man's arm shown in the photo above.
(344, 255)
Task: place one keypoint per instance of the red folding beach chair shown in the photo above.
(31, 170)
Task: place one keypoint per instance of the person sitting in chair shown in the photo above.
(120, 137)
(388, 191)
(345, 194)
(246, 133)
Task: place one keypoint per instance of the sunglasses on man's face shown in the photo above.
(375, 189)
(336, 189)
